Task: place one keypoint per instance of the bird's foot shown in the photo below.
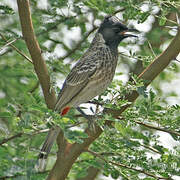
(91, 118)
(91, 121)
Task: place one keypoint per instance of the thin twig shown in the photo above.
(148, 126)
(158, 128)
(96, 103)
(150, 148)
(118, 11)
(74, 125)
(10, 138)
(8, 43)
(153, 127)
(126, 166)
(22, 133)
(55, 25)
(151, 49)
(125, 55)
(16, 49)
(79, 43)
(168, 20)
(36, 132)
(5, 52)
(18, 175)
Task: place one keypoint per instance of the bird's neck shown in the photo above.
(99, 41)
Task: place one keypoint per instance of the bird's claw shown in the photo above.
(91, 122)
(90, 118)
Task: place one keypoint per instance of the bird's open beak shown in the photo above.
(127, 33)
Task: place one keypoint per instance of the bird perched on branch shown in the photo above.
(92, 74)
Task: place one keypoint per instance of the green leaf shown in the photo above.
(142, 91)
(75, 135)
(143, 17)
(114, 174)
(162, 20)
(6, 10)
(5, 114)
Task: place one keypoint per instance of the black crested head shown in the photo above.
(113, 31)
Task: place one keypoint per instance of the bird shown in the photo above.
(91, 75)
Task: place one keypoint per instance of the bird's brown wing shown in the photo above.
(77, 79)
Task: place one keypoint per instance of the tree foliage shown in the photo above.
(130, 145)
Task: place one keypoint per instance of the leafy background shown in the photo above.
(64, 30)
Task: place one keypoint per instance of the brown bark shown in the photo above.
(35, 52)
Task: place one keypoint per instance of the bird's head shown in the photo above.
(113, 31)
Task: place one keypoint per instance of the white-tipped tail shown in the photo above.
(46, 148)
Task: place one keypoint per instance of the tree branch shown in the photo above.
(7, 44)
(153, 127)
(15, 48)
(55, 25)
(20, 175)
(79, 43)
(126, 166)
(35, 52)
(10, 138)
(22, 133)
(158, 128)
(6, 52)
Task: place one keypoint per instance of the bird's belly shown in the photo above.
(94, 88)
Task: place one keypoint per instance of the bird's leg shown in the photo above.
(90, 118)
